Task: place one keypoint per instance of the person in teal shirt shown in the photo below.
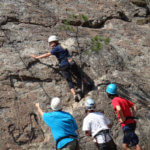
(62, 124)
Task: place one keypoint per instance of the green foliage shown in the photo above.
(107, 41)
(84, 18)
(74, 16)
(67, 23)
(97, 43)
(66, 26)
(86, 52)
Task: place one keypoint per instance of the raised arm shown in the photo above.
(39, 109)
(41, 56)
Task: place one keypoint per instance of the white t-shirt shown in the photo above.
(95, 122)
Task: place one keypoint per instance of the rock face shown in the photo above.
(24, 28)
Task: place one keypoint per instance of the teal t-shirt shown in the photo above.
(62, 124)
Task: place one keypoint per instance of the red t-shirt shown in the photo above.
(125, 107)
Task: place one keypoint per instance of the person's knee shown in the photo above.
(137, 147)
(125, 147)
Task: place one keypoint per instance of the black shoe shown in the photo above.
(76, 98)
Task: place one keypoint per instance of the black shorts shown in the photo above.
(130, 136)
(110, 145)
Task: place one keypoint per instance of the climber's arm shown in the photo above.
(39, 109)
(41, 56)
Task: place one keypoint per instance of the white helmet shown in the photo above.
(52, 38)
(89, 104)
(56, 104)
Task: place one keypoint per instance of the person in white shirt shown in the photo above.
(96, 125)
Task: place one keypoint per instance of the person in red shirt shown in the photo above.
(126, 112)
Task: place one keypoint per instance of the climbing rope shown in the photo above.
(31, 72)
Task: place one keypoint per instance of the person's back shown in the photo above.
(62, 124)
(98, 122)
(125, 117)
(61, 54)
(125, 107)
(95, 124)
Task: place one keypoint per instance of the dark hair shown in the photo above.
(111, 96)
(57, 43)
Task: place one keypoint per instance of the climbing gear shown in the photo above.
(107, 144)
(103, 132)
(89, 104)
(52, 38)
(130, 117)
(68, 136)
(111, 89)
(56, 104)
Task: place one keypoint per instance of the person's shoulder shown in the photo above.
(86, 119)
(116, 98)
(87, 116)
(47, 114)
(121, 99)
(66, 113)
(90, 116)
(59, 47)
(100, 113)
(116, 101)
(55, 48)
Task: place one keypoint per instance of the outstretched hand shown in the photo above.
(37, 105)
(39, 109)
(35, 57)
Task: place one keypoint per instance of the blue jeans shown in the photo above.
(129, 135)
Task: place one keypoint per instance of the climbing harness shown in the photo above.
(130, 117)
(68, 136)
(31, 72)
(103, 132)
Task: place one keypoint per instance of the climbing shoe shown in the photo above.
(76, 98)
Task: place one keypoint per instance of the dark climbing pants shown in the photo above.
(107, 146)
(67, 75)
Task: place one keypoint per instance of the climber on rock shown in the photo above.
(62, 124)
(95, 124)
(125, 116)
(64, 59)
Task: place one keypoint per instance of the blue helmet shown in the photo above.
(89, 104)
(111, 89)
